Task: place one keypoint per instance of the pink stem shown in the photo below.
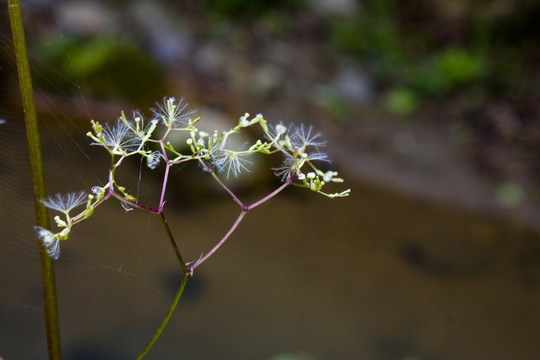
(221, 242)
(269, 196)
(165, 180)
(235, 198)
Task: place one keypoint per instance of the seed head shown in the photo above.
(50, 241)
(65, 203)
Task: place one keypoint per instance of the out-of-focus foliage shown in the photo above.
(250, 8)
(481, 53)
(401, 101)
(106, 66)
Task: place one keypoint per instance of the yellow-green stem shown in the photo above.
(42, 217)
(167, 317)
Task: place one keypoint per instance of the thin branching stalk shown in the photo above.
(245, 209)
(167, 316)
(269, 196)
(221, 242)
(36, 164)
(187, 274)
(173, 243)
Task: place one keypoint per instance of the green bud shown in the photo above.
(61, 223)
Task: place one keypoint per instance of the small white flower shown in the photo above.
(200, 142)
(189, 141)
(301, 176)
(65, 203)
(120, 138)
(320, 156)
(311, 175)
(329, 175)
(277, 132)
(50, 241)
(172, 114)
(97, 190)
(305, 136)
(287, 168)
(232, 162)
(280, 128)
(203, 134)
(244, 121)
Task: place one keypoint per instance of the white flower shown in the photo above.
(50, 241)
(277, 132)
(320, 156)
(232, 162)
(65, 203)
(280, 128)
(97, 190)
(173, 114)
(120, 138)
(244, 120)
(287, 168)
(329, 175)
(305, 136)
(140, 127)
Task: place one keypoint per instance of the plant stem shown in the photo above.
(244, 208)
(36, 164)
(269, 196)
(187, 274)
(164, 187)
(235, 198)
(218, 245)
(167, 316)
(173, 243)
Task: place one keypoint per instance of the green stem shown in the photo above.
(173, 243)
(187, 274)
(36, 164)
(167, 317)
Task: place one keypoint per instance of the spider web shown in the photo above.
(70, 164)
(117, 274)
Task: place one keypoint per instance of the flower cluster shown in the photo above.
(63, 204)
(299, 145)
